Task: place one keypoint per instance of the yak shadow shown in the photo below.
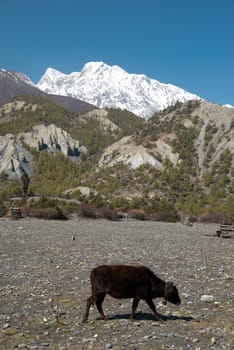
(143, 316)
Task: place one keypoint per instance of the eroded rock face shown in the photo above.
(129, 153)
(16, 159)
(221, 119)
(100, 116)
(52, 139)
(165, 150)
(85, 191)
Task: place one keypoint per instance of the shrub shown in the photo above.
(166, 212)
(44, 213)
(86, 210)
(216, 217)
(107, 213)
(3, 209)
(121, 203)
(137, 214)
(90, 211)
(96, 200)
(138, 202)
(163, 215)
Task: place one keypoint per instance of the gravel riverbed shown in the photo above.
(44, 284)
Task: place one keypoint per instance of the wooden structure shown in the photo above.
(15, 213)
(225, 231)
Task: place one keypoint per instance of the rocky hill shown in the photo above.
(183, 156)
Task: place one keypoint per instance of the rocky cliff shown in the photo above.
(128, 152)
(16, 158)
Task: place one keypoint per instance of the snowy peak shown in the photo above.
(49, 78)
(112, 87)
(228, 105)
(53, 73)
(16, 76)
(94, 67)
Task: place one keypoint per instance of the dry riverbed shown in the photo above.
(44, 284)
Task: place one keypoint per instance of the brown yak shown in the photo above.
(128, 281)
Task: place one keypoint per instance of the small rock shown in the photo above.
(6, 325)
(147, 337)
(195, 340)
(213, 340)
(185, 295)
(22, 346)
(206, 297)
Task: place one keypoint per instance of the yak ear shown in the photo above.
(170, 284)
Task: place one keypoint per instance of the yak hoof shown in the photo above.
(158, 317)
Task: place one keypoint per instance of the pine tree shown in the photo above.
(25, 181)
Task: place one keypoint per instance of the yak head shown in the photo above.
(171, 294)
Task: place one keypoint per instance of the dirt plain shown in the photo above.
(44, 284)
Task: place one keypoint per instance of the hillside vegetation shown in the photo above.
(192, 141)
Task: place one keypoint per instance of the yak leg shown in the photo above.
(90, 301)
(153, 308)
(135, 303)
(98, 302)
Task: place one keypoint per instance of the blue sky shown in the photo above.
(188, 43)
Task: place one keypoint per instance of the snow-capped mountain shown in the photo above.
(111, 87)
(228, 105)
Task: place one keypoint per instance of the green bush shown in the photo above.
(10, 188)
(121, 203)
(167, 211)
(138, 203)
(127, 121)
(45, 113)
(3, 209)
(53, 174)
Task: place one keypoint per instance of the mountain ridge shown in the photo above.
(13, 84)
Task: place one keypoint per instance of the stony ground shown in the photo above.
(44, 283)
